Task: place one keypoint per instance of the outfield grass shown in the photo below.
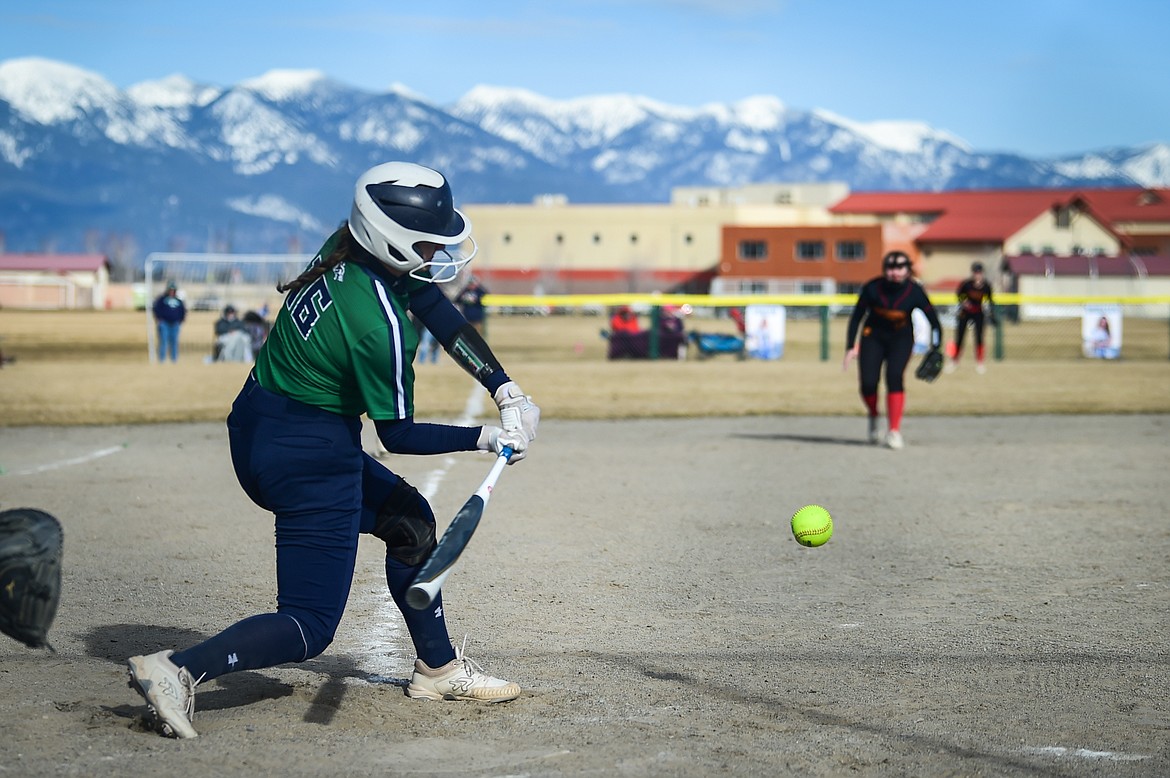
(92, 368)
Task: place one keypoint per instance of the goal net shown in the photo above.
(208, 283)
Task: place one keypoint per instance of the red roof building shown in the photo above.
(54, 281)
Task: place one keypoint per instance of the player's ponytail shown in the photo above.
(343, 249)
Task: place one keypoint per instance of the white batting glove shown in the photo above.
(494, 439)
(517, 411)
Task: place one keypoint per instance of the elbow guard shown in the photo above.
(470, 351)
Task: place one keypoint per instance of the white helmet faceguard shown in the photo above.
(398, 205)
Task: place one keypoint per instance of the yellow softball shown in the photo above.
(812, 526)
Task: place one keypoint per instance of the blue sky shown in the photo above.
(1039, 77)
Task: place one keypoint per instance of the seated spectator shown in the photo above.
(624, 320)
(258, 328)
(232, 341)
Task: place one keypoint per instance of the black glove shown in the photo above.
(30, 574)
(931, 366)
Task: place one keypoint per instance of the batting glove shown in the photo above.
(517, 411)
(494, 439)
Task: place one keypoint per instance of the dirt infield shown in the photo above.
(993, 603)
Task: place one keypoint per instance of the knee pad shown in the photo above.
(407, 525)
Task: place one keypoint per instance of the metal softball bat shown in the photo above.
(434, 572)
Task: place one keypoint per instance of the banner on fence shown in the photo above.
(764, 331)
(1101, 331)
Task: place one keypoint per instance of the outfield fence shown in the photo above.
(1029, 327)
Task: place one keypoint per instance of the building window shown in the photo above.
(633, 237)
(1063, 218)
(850, 250)
(753, 250)
(688, 239)
(507, 237)
(848, 287)
(597, 237)
(810, 250)
(1025, 249)
(560, 238)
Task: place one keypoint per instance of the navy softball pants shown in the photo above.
(306, 465)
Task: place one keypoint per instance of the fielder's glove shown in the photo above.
(517, 411)
(30, 574)
(494, 439)
(931, 366)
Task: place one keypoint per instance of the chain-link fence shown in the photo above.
(813, 327)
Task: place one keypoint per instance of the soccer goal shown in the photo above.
(208, 283)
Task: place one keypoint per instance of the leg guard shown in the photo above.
(407, 525)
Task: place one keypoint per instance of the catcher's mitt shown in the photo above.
(930, 366)
(30, 574)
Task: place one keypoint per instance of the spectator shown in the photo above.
(470, 302)
(624, 320)
(257, 327)
(169, 313)
(428, 347)
(232, 341)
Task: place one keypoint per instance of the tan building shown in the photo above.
(554, 247)
(786, 238)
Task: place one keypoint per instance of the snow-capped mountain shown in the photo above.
(177, 165)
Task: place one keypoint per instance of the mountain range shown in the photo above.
(268, 165)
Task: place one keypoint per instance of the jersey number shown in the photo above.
(306, 308)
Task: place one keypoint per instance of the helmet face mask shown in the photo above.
(445, 264)
(399, 205)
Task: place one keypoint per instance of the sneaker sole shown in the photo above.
(422, 694)
(183, 730)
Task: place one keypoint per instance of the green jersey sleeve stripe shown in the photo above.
(398, 349)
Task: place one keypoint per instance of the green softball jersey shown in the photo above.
(344, 343)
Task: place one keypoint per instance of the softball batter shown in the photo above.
(885, 305)
(343, 345)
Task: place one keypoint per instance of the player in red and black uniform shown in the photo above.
(972, 294)
(882, 315)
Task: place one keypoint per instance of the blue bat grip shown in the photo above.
(506, 452)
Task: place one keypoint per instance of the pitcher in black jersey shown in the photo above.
(973, 293)
(882, 315)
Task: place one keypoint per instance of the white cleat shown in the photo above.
(459, 679)
(980, 368)
(169, 691)
(894, 440)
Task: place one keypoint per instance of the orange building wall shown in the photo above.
(781, 259)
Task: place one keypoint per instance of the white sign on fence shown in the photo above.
(1101, 331)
